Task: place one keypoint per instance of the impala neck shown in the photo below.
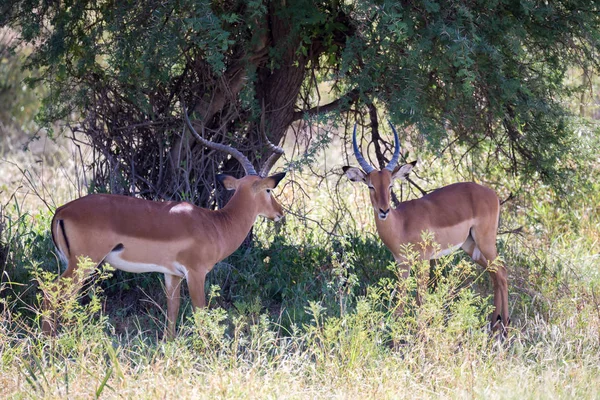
(236, 220)
(386, 226)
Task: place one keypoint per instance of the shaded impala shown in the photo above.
(462, 215)
(177, 239)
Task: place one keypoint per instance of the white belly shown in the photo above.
(447, 251)
(114, 259)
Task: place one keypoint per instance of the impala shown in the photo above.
(462, 215)
(177, 239)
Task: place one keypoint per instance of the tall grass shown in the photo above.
(308, 311)
(440, 350)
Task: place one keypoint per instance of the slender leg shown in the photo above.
(402, 286)
(483, 252)
(196, 286)
(501, 291)
(77, 276)
(422, 279)
(173, 289)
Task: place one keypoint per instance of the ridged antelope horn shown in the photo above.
(248, 168)
(276, 151)
(361, 161)
(394, 161)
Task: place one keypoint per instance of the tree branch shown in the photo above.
(341, 103)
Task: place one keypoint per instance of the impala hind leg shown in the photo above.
(501, 320)
(484, 253)
(173, 289)
(66, 286)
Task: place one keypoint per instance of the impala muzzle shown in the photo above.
(383, 214)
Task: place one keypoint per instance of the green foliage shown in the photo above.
(443, 61)
(308, 312)
(19, 102)
(489, 75)
(209, 333)
(78, 318)
(302, 313)
(24, 242)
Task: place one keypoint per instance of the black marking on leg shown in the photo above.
(61, 223)
(118, 247)
(494, 324)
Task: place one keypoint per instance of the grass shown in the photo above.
(308, 311)
(219, 354)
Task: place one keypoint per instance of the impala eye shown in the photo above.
(371, 188)
(268, 190)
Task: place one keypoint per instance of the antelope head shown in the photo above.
(255, 188)
(260, 190)
(379, 181)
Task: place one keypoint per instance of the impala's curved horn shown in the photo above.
(361, 161)
(394, 161)
(276, 151)
(248, 167)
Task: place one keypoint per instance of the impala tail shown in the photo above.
(57, 229)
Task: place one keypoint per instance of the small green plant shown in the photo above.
(209, 327)
(63, 297)
(343, 280)
(436, 299)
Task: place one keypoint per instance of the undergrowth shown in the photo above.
(299, 316)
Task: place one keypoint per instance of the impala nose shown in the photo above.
(383, 214)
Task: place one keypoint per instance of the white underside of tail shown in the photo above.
(61, 254)
(180, 270)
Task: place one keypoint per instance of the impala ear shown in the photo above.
(228, 181)
(269, 182)
(401, 172)
(355, 174)
(274, 179)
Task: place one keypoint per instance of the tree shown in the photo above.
(486, 73)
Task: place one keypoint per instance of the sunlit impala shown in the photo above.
(177, 239)
(462, 215)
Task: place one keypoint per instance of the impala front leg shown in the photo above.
(402, 287)
(196, 279)
(422, 280)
